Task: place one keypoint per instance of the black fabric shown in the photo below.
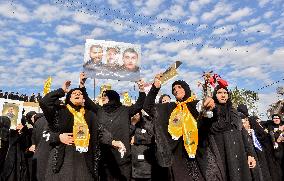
(114, 101)
(256, 172)
(170, 153)
(274, 133)
(74, 167)
(221, 141)
(16, 167)
(277, 116)
(60, 120)
(5, 124)
(224, 123)
(225, 117)
(243, 109)
(4, 139)
(241, 115)
(186, 88)
(42, 148)
(116, 126)
(29, 115)
(143, 148)
(162, 96)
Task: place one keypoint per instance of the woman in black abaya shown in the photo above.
(73, 157)
(175, 155)
(223, 154)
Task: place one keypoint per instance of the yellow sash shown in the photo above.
(182, 123)
(81, 133)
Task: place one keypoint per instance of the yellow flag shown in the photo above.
(126, 99)
(47, 85)
(105, 87)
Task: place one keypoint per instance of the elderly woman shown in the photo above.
(176, 133)
(223, 152)
(73, 156)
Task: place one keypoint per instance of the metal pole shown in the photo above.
(94, 88)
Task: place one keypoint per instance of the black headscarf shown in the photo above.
(223, 113)
(114, 101)
(277, 116)
(259, 130)
(243, 109)
(186, 88)
(29, 116)
(162, 96)
(68, 96)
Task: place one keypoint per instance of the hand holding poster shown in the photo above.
(112, 60)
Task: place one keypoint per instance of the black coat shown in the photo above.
(274, 133)
(42, 148)
(4, 139)
(117, 125)
(60, 120)
(222, 151)
(38, 129)
(170, 154)
(260, 172)
(142, 149)
(268, 162)
(16, 167)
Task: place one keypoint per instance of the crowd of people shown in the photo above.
(20, 97)
(186, 139)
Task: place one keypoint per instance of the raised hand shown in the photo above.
(66, 86)
(209, 103)
(157, 80)
(83, 79)
(141, 85)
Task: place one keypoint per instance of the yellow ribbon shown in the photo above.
(182, 123)
(81, 133)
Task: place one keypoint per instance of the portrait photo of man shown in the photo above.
(11, 114)
(112, 56)
(96, 55)
(11, 111)
(130, 60)
(81, 133)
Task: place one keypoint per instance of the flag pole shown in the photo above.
(94, 88)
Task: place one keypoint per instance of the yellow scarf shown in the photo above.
(81, 133)
(182, 123)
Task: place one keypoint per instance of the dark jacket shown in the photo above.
(170, 154)
(258, 173)
(38, 128)
(116, 125)
(5, 124)
(42, 148)
(143, 148)
(222, 151)
(16, 167)
(60, 120)
(268, 162)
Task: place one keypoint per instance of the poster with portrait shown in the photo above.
(12, 109)
(112, 60)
